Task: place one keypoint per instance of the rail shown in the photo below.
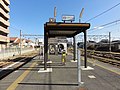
(4, 63)
(106, 57)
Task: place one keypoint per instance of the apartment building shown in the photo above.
(4, 23)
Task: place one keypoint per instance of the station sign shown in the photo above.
(68, 18)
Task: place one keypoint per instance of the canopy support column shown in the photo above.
(74, 48)
(45, 49)
(85, 48)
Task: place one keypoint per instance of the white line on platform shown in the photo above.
(91, 76)
(73, 60)
(49, 62)
(41, 70)
(82, 83)
(10, 65)
(88, 68)
(16, 71)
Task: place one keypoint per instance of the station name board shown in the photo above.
(68, 18)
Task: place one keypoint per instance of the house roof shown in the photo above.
(18, 41)
(13, 38)
(28, 41)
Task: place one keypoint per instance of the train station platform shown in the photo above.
(60, 77)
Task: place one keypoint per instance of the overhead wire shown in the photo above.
(14, 28)
(104, 25)
(103, 12)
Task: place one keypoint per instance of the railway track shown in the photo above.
(11, 60)
(106, 57)
(15, 63)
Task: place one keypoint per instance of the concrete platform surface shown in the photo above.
(62, 77)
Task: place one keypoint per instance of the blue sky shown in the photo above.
(30, 15)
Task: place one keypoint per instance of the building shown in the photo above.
(4, 23)
(15, 42)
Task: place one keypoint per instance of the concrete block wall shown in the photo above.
(7, 54)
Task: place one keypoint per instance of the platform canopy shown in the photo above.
(56, 29)
(61, 29)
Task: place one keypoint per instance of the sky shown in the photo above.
(31, 15)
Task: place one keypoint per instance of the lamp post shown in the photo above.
(80, 16)
(78, 54)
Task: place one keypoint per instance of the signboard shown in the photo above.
(68, 18)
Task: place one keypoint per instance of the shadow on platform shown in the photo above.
(57, 84)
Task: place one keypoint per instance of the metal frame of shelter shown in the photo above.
(60, 29)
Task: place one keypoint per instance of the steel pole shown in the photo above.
(76, 56)
(79, 68)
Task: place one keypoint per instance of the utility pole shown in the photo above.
(20, 42)
(109, 41)
(55, 13)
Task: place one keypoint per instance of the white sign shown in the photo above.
(68, 18)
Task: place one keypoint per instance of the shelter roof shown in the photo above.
(56, 29)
